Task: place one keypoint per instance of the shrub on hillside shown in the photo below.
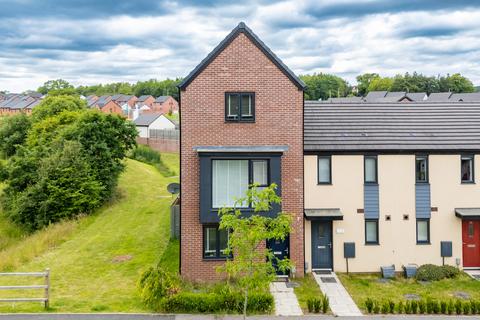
(156, 284)
(68, 164)
(147, 155)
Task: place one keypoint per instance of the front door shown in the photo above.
(471, 243)
(322, 245)
(280, 251)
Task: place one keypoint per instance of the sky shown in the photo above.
(99, 41)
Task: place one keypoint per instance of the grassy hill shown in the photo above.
(95, 261)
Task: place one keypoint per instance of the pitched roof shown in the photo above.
(143, 98)
(162, 99)
(344, 100)
(398, 94)
(146, 119)
(242, 28)
(439, 96)
(466, 97)
(417, 96)
(391, 127)
(374, 95)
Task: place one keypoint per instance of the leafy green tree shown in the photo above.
(415, 83)
(157, 88)
(68, 164)
(324, 86)
(363, 82)
(253, 264)
(56, 85)
(456, 83)
(380, 84)
(13, 133)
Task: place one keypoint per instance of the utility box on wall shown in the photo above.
(349, 250)
(446, 249)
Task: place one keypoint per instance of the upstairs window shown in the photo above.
(467, 169)
(421, 169)
(240, 107)
(324, 170)
(370, 168)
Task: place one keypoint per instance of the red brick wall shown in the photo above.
(279, 121)
(161, 145)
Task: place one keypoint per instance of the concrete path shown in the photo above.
(286, 303)
(475, 274)
(341, 303)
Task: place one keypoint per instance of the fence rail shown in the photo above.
(46, 287)
(164, 134)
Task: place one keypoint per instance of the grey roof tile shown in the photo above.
(374, 95)
(394, 126)
(439, 96)
(146, 119)
(465, 97)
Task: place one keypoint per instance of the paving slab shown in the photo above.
(475, 274)
(341, 303)
(286, 303)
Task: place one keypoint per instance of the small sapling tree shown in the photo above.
(252, 264)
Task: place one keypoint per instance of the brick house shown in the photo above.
(165, 104)
(251, 106)
(145, 100)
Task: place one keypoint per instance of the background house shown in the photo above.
(147, 122)
(165, 104)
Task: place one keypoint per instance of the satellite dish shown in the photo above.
(174, 188)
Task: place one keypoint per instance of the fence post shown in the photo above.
(47, 288)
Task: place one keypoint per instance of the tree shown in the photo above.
(380, 84)
(55, 85)
(68, 164)
(324, 86)
(13, 133)
(253, 264)
(456, 83)
(363, 82)
(415, 83)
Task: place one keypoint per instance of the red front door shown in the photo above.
(471, 243)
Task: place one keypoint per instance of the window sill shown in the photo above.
(239, 121)
(372, 243)
(468, 182)
(421, 183)
(423, 243)
(370, 183)
(324, 184)
(214, 259)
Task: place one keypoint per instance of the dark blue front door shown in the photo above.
(280, 249)
(322, 245)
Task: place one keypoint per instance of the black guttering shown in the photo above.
(242, 28)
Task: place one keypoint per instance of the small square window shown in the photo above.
(215, 243)
(240, 107)
(467, 169)
(421, 169)
(324, 170)
(371, 231)
(423, 231)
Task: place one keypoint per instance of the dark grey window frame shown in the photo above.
(218, 255)
(365, 157)
(428, 230)
(208, 214)
(427, 168)
(239, 117)
(472, 158)
(372, 243)
(250, 176)
(329, 157)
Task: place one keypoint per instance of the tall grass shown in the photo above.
(147, 155)
(14, 256)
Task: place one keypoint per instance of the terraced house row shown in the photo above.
(382, 183)
(16, 103)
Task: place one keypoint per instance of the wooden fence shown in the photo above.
(164, 134)
(46, 287)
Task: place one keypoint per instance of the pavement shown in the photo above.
(475, 274)
(123, 316)
(286, 303)
(341, 303)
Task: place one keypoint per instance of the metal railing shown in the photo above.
(45, 287)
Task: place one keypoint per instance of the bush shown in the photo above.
(451, 307)
(443, 307)
(401, 307)
(156, 284)
(430, 272)
(414, 306)
(189, 302)
(458, 307)
(147, 155)
(466, 307)
(391, 305)
(314, 305)
(325, 304)
(376, 307)
(422, 307)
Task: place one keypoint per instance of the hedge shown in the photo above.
(428, 306)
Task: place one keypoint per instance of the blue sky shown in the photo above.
(99, 41)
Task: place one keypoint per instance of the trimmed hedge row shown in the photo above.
(428, 306)
(189, 302)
